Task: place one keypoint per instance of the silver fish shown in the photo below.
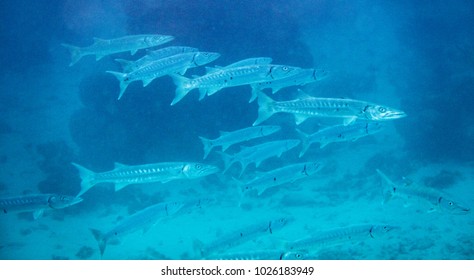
(300, 78)
(348, 109)
(337, 236)
(178, 63)
(227, 139)
(102, 47)
(243, 62)
(241, 236)
(124, 175)
(230, 77)
(258, 153)
(37, 203)
(129, 66)
(338, 133)
(439, 201)
(143, 219)
(261, 255)
(276, 177)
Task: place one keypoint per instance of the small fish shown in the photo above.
(338, 133)
(337, 236)
(102, 47)
(439, 201)
(178, 63)
(348, 109)
(227, 139)
(287, 174)
(261, 255)
(129, 66)
(123, 175)
(37, 203)
(214, 81)
(258, 153)
(300, 78)
(143, 219)
(241, 236)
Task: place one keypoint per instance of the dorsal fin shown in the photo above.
(221, 132)
(97, 40)
(303, 95)
(119, 165)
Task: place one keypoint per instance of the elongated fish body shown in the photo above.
(102, 47)
(129, 66)
(337, 236)
(300, 78)
(178, 63)
(338, 133)
(36, 203)
(141, 220)
(227, 139)
(241, 236)
(261, 255)
(348, 109)
(258, 153)
(124, 175)
(243, 62)
(230, 77)
(280, 176)
(439, 201)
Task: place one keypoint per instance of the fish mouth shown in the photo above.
(395, 115)
(76, 200)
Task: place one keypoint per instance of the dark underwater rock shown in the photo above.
(85, 253)
(444, 179)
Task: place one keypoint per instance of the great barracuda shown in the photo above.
(300, 78)
(102, 47)
(177, 63)
(129, 66)
(280, 176)
(348, 109)
(143, 219)
(230, 77)
(241, 236)
(227, 139)
(124, 175)
(439, 201)
(37, 203)
(337, 236)
(240, 63)
(258, 153)
(338, 133)
(261, 255)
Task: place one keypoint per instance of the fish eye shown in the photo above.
(285, 68)
(450, 203)
(198, 166)
(382, 110)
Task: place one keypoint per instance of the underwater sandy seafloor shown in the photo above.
(54, 114)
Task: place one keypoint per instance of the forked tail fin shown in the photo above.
(304, 142)
(76, 53)
(101, 240)
(122, 79)
(87, 177)
(264, 108)
(207, 143)
(390, 188)
(181, 88)
(127, 65)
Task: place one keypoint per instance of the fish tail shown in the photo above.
(181, 88)
(207, 143)
(387, 192)
(126, 65)
(228, 160)
(76, 53)
(123, 84)
(101, 240)
(255, 92)
(265, 109)
(304, 142)
(87, 177)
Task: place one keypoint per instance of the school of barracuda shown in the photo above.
(358, 119)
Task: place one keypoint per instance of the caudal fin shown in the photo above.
(181, 88)
(127, 65)
(389, 189)
(304, 142)
(101, 240)
(76, 53)
(228, 160)
(87, 177)
(123, 84)
(207, 143)
(264, 108)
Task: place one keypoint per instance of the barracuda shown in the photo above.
(37, 203)
(178, 63)
(124, 175)
(227, 139)
(348, 109)
(102, 47)
(301, 78)
(261, 255)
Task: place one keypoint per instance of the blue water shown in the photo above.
(416, 56)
